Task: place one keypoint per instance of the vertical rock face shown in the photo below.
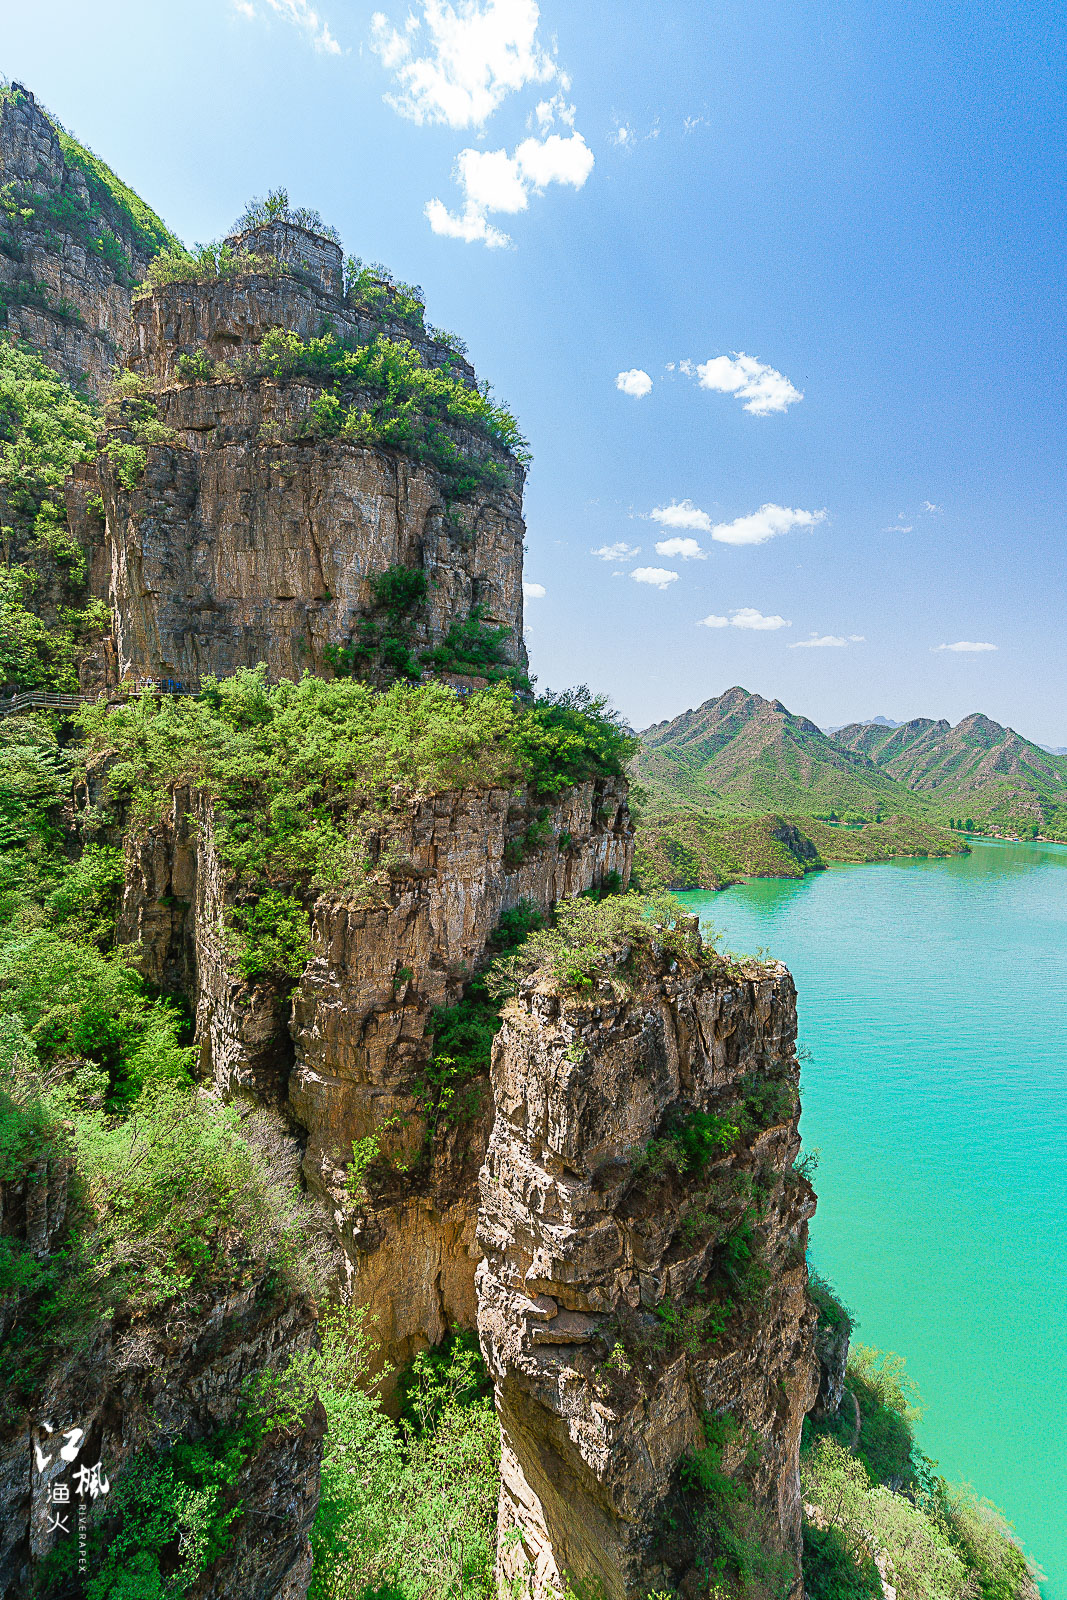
(643, 1311)
(69, 256)
(250, 538)
(250, 541)
(339, 1059)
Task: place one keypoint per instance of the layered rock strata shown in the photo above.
(647, 1328)
(57, 290)
(250, 537)
(340, 1056)
(249, 540)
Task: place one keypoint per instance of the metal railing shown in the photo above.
(45, 700)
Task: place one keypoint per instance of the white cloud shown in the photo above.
(617, 552)
(554, 160)
(658, 577)
(748, 617)
(456, 64)
(492, 180)
(763, 389)
(623, 136)
(557, 109)
(968, 646)
(763, 524)
(928, 505)
(469, 226)
(302, 15)
(688, 549)
(533, 591)
(745, 617)
(635, 382)
(827, 641)
(899, 527)
(681, 514)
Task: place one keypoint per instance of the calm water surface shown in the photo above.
(933, 997)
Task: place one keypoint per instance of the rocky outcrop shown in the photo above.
(142, 1383)
(644, 1315)
(69, 256)
(340, 1057)
(249, 540)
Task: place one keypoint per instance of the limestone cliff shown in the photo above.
(340, 1057)
(644, 1314)
(252, 535)
(73, 243)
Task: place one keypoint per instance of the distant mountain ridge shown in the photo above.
(739, 752)
(978, 765)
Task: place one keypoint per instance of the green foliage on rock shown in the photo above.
(302, 773)
(587, 937)
(878, 1496)
(392, 395)
(408, 1509)
(46, 429)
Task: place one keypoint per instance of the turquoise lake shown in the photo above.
(933, 999)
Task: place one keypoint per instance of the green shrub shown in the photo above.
(196, 366)
(925, 1563)
(408, 1511)
(834, 1570)
(585, 933)
(273, 938)
(833, 1315)
(276, 208)
(375, 288)
(688, 1144)
(77, 1003)
(206, 264)
(412, 394)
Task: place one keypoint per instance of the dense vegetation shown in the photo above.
(46, 616)
(303, 772)
(408, 1509)
(875, 1495)
(696, 849)
(171, 1199)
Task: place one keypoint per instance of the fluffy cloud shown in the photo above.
(827, 641)
(763, 389)
(617, 552)
(748, 617)
(681, 514)
(966, 646)
(623, 136)
(745, 617)
(658, 577)
(635, 382)
(492, 180)
(688, 549)
(533, 591)
(763, 524)
(301, 14)
(456, 64)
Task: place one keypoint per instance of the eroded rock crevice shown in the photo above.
(642, 1306)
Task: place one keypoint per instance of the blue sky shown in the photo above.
(866, 200)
